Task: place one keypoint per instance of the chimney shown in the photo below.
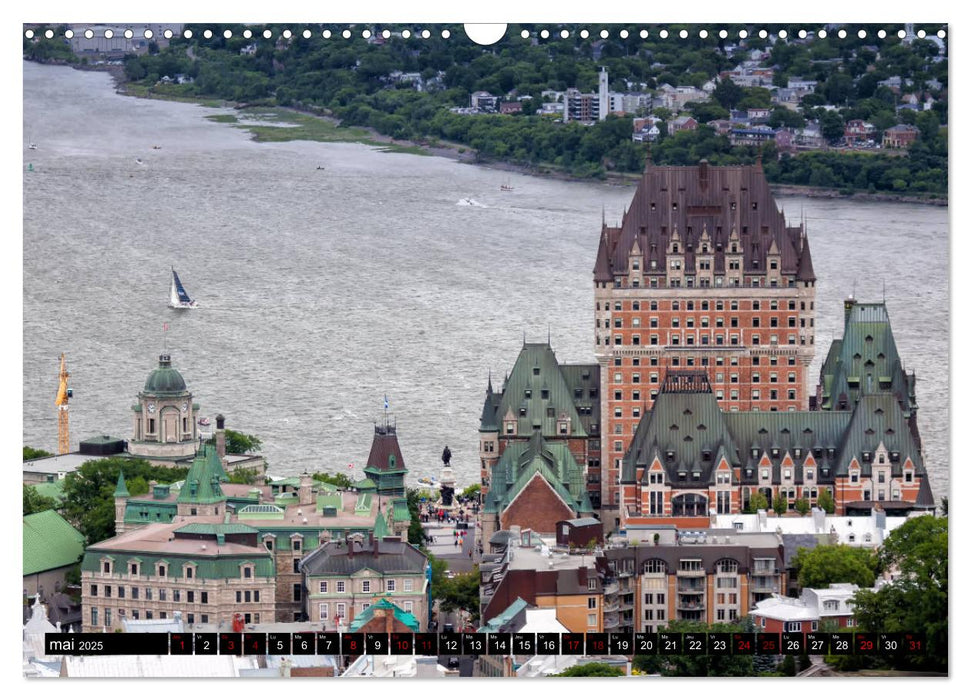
(221, 436)
(350, 545)
(305, 494)
(819, 519)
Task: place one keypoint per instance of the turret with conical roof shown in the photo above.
(385, 465)
(201, 494)
(121, 496)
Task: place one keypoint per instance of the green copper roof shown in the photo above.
(262, 511)
(505, 617)
(216, 529)
(202, 481)
(521, 461)
(537, 395)
(52, 489)
(139, 511)
(289, 481)
(400, 512)
(381, 526)
(121, 490)
(363, 504)
(49, 542)
(405, 618)
(324, 486)
(329, 500)
(365, 485)
(206, 567)
(165, 379)
(865, 361)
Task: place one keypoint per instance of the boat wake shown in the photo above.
(469, 202)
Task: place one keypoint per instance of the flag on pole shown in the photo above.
(350, 466)
(165, 326)
(386, 402)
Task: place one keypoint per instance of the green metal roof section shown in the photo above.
(217, 529)
(165, 379)
(406, 618)
(865, 361)
(49, 542)
(50, 489)
(537, 394)
(207, 567)
(202, 481)
(521, 461)
(363, 504)
(323, 486)
(381, 526)
(288, 481)
(400, 510)
(689, 426)
(487, 421)
(137, 511)
(505, 617)
(214, 464)
(121, 489)
(365, 485)
(262, 511)
(329, 500)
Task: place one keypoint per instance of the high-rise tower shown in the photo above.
(703, 273)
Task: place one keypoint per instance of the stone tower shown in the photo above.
(121, 503)
(164, 417)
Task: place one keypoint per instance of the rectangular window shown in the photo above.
(204, 596)
(591, 603)
(391, 585)
(121, 591)
(341, 610)
(239, 596)
(161, 594)
(134, 593)
(190, 596)
(323, 586)
(340, 586)
(256, 596)
(324, 611)
(409, 585)
(366, 586)
(297, 592)
(94, 616)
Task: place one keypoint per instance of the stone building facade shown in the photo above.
(703, 273)
(343, 579)
(207, 570)
(164, 420)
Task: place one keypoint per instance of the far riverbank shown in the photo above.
(459, 152)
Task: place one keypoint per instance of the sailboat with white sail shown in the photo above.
(179, 298)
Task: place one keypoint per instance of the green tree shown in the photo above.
(802, 506)
(831, 125)
(472, 491)
(245, 476)
(35, 503)
(416, 533)
(461, 592)
(826, 502)
(917, 601)
(826, 564)
(780, 504)
(89, 492)
(241, 443)
(31, 453)
(727, 93)
(757, 502)
(593, 669)
(341, 481)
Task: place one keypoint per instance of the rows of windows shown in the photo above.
(706, 322)
(704, 339)
(705, 305)
(107, 616)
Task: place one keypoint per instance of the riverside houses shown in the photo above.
(703, 273)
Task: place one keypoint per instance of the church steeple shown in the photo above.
(121, 489)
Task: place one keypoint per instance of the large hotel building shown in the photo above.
(703, 273)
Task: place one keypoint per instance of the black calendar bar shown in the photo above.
(492, 644)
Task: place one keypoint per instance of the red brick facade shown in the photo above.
(537, 507)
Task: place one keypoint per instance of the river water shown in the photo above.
(323, 291)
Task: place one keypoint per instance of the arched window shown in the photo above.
(655, 566)
(689, 504)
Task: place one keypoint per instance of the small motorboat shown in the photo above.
(204, 421)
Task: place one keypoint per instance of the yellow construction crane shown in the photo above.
(63, 394)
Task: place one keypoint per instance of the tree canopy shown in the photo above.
(89, 492)
(341, 481)
(241, 443)
(917, 600)
(826, 564)
(594, 669)
(35, 503)
(696, 665)
(31, 453)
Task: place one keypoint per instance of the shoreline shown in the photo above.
(463, 154)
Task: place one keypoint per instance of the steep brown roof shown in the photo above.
(691, 200)
(385, 454)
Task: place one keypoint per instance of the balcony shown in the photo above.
(690, 605)
(691, 573)
(611, 588)
(611, 606)
(690, 586)
(764, 584)
(611, 621)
